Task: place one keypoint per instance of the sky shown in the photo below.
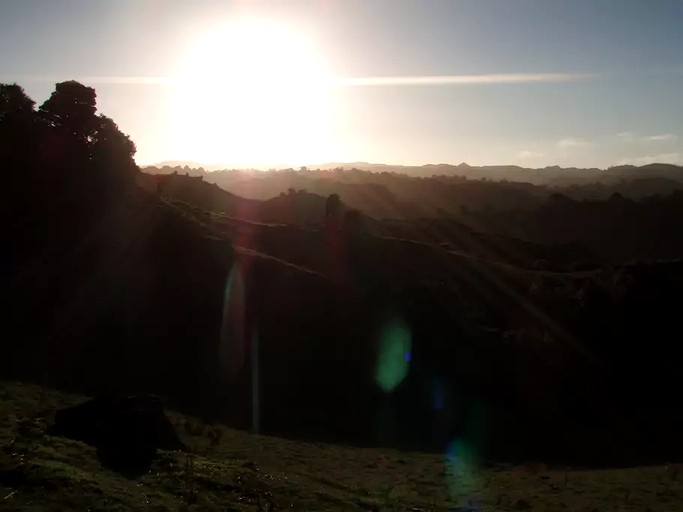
(284, 83)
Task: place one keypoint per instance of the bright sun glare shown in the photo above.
(252, 93)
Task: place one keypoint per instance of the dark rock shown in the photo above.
(126, 430)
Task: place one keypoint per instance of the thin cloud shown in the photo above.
(505, 78)
(418, 80)
(662, 158)
(661, 137)
(529, 155)
(98, 79)
(571, 142)
(631, 137)
(129, 80)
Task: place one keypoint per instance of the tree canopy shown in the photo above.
(64, 148)
(72, 107)
(14, 101)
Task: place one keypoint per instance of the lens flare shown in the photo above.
(393, 362)
(464, 456)
(438, 395)
(464, 485)
(232, 348)
(255, 381)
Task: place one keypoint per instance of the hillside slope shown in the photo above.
(248, 472)
(209, 203)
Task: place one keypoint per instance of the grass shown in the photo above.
(39, 472)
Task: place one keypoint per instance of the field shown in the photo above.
(250, 472)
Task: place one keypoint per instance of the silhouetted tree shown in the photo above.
(17, 119)
(14, 102)
(65, 151)
(333, 206)
(18, 147)
(112, 151)
(332, 211)
(72, 107)
(353, 222)
(109, 140)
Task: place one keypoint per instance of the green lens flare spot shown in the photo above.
(461, 471)
(393, 362)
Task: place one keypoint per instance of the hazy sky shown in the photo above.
(532, 82)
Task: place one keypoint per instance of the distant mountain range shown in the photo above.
(553, 175)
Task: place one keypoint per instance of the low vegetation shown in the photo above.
(250, 472)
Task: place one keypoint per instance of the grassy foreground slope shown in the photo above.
(249, 472)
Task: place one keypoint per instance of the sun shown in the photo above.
(252, 93)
